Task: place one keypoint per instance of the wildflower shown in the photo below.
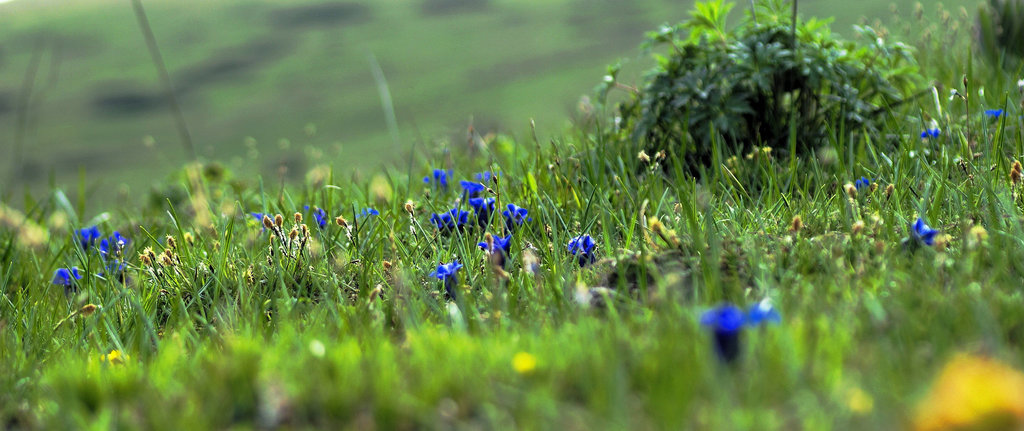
(454, 219)
(643, 157)
(497, 248)
(582, 247)
(66, 277)
(888, 190)
(340, 221)
(87, 237)
(851, 190)
(320, 216)
(725, 322)
(447, 272)
(440, 177)
(484, 177)
(115, 243)
(1015, 172)
(930, 133)
(973, 393)
(115, 357)
(524, 363)
(862, 183)
(515, 216)
(483, 207)
(920, 233)
(472, 189)
(369, 212)
(763, 312)
(994, 113)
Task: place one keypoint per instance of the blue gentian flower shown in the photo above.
(87, 237)
(921, 233)
(369, 212)
(66, 277)
(582, 247)
(515, 216)
(498, 248)
(454, 219)
(483, 207)
(484, 177)
(762, 312)
(472, 189)
(115, 244)
(994, 113)
(320, 216)
(447, 273)
(725, 321)
(862, 183)
(440, 177)
(930, 133)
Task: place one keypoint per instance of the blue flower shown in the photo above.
(454, 219)
(320, 216)
(921, 233)
(515, 216)
(440, 177)
(484, 177)
(447, 272)
(369, 212)
(930, 133)
(994, 113)
(498, 248)
(582, 247)
(115, 244)
(862, 183)
(66, 277)
(725, 321)
(483, 207)
(472, 189)
(87, 237)
(762, 312)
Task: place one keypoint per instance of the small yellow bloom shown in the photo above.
(115, 357)
(858, 401)
(973, 393)
(524, 363)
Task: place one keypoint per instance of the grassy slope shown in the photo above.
(504, 65)
(211, 348)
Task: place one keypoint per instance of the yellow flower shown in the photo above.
(858, 401)
(524, 363)
(115, 357)
(973, 393)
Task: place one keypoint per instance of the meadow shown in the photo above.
(576, 279)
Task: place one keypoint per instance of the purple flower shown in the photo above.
(483, 207)
(582, 247)
(66, 277)
(498, 249)
(725, 322)
(440, 178)
(921, 233)
(862, 183)
(515, 216)
(449, 221)
(994, 113)
(87, 237)
(320, 216)
(472, 189)
(446, 272)
(115, 244)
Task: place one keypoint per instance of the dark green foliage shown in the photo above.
(754, 84)
(1001, 31)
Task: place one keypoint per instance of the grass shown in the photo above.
(350, 330)
(243, 77)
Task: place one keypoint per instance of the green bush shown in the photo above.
(765, 82)
(1001, 31)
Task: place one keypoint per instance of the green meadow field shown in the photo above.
(765, 225)
(264, 84)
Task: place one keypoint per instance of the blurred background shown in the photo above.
(266, 84)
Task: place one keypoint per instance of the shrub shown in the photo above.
(770, 81)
